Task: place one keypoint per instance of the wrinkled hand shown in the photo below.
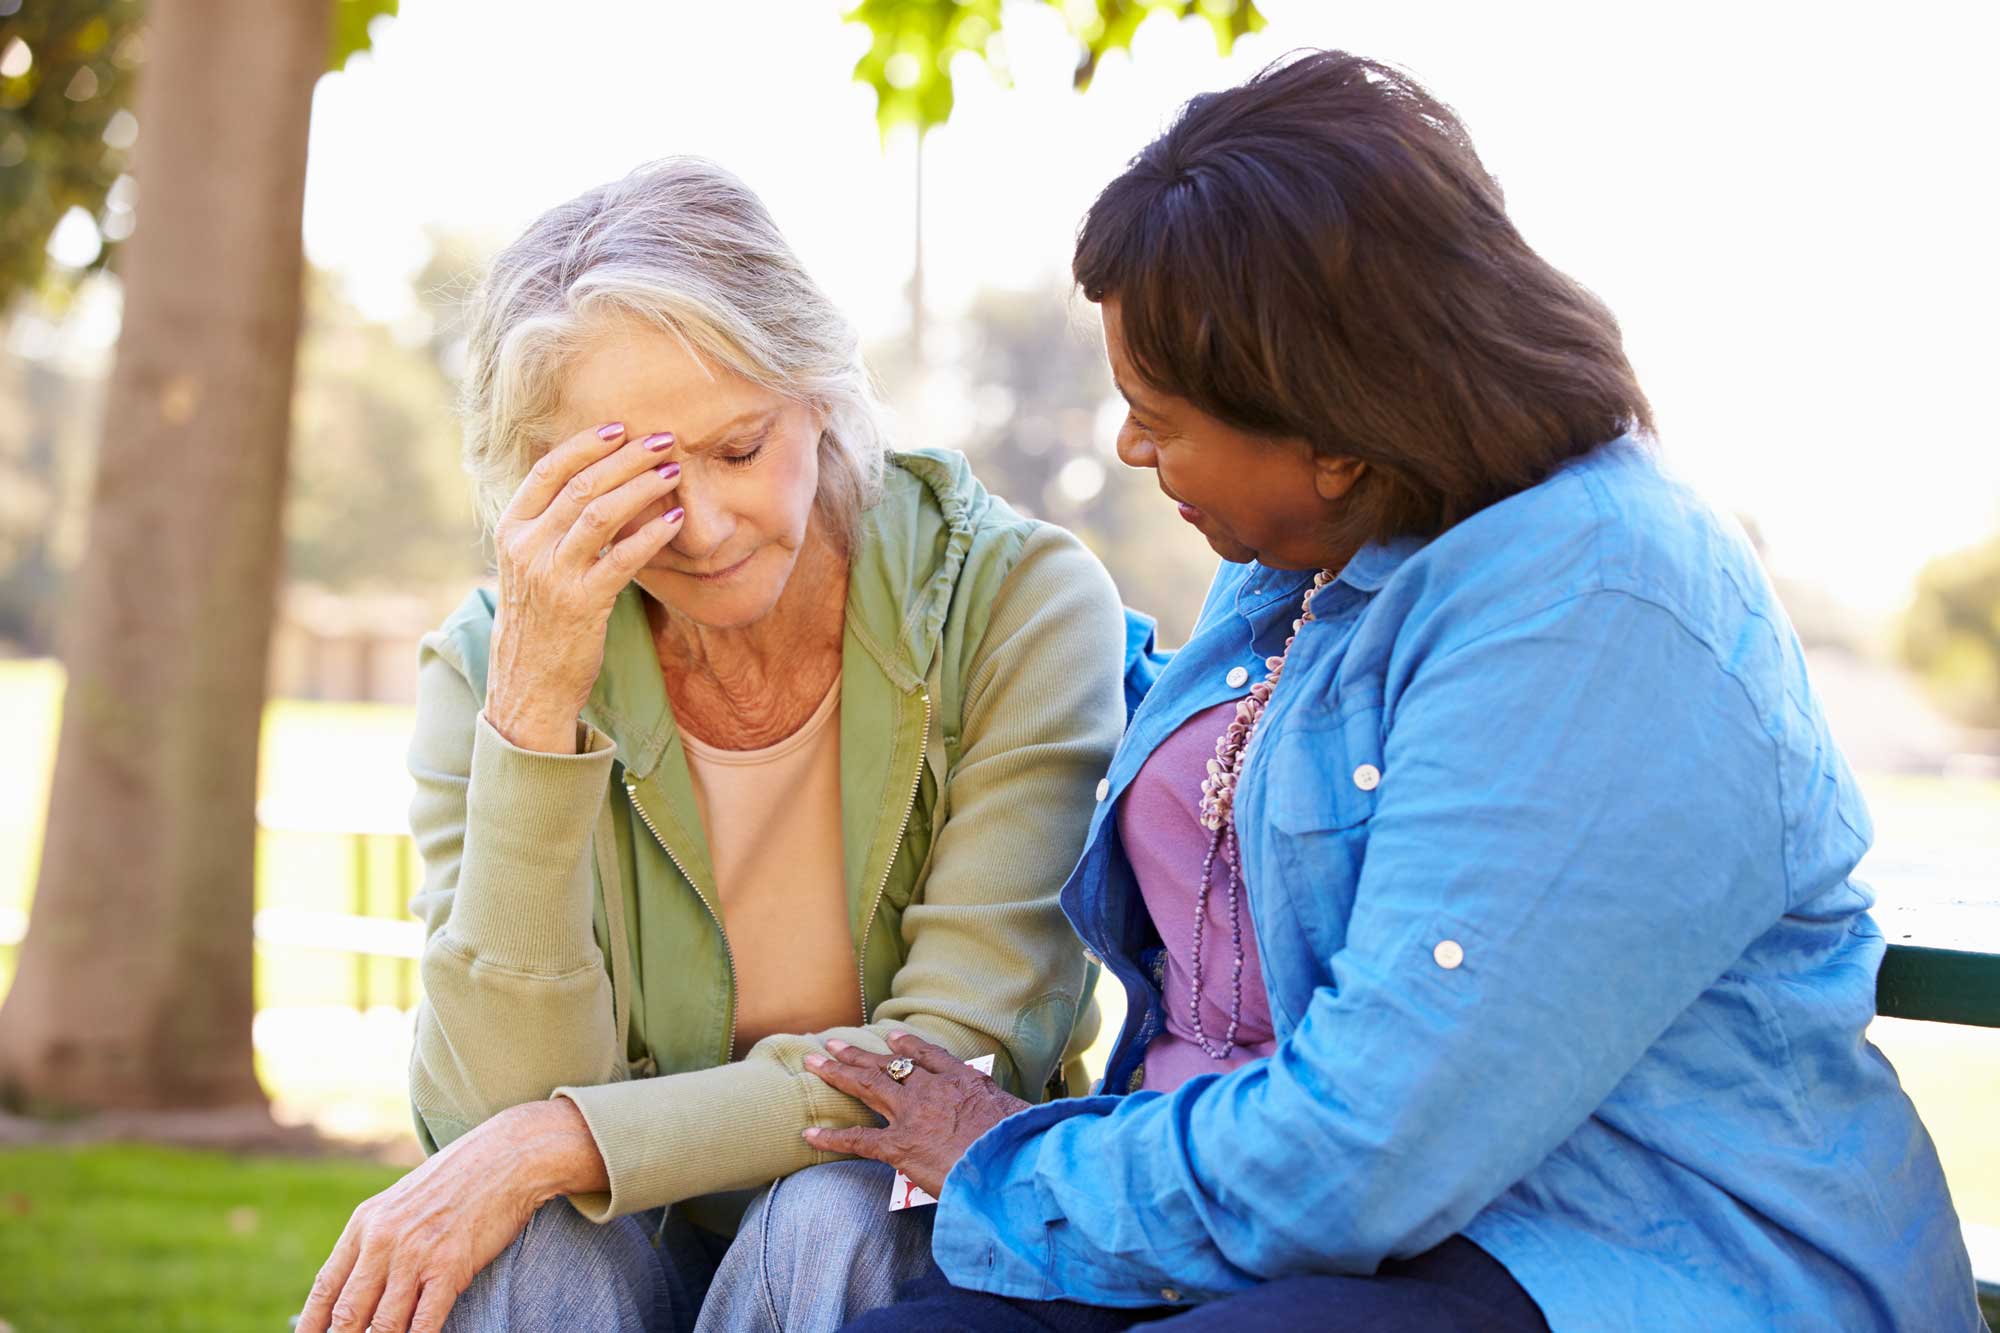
(933, 1116)
(585, 520)
(410, 1252)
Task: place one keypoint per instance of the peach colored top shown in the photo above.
(773, 822)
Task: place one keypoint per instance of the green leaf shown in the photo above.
(914, 43)
(350, 27)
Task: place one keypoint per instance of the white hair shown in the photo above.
(684, 246)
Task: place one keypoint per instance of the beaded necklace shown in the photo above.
(1218, 802)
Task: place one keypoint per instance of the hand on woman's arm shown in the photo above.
(1527, 781)
(932, 1114)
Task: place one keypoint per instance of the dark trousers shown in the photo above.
(1454, 1288)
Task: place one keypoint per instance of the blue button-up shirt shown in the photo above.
(1548, 851)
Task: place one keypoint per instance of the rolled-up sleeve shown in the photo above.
(1577, 831)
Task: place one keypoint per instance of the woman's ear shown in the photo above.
(1333, 477)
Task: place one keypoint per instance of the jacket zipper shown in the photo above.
(632, 794)
(909, 808)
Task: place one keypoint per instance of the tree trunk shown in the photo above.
(134, 985)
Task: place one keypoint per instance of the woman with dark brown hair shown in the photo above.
(1479, 875)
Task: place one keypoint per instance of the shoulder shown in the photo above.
(948, 548)
(1613, 524)
(462, 640)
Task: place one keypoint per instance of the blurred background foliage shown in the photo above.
(1951, 635)
(67, 130)
(914, 42)
(66, 134)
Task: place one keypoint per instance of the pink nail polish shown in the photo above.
(669, 470)
(673, 516)
(658, 440)
(612, 431)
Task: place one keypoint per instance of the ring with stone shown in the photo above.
(901, 1068)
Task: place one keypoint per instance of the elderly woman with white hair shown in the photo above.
(772, 741)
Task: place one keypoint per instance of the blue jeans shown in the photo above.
(1455, 1288)
(815, 1250)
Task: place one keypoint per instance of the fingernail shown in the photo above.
(809, 1135)
(673, 516)
(669, 470)
(893, 1036)
(814, 1061)
(612, 431)
(835, 1044)
(658, 440)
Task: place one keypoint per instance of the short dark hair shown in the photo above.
(1319, 252)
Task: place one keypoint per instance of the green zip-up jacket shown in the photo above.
(574, 939)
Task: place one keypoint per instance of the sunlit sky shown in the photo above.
(1790, 211)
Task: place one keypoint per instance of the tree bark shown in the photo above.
(134, 985)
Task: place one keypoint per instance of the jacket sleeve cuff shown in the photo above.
(529, 818)
(683, 1135)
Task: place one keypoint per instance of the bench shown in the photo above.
(1941, 967)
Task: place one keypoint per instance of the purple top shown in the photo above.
(1159, 822)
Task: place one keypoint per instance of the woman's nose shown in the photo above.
(703, 528)
(1134, 448)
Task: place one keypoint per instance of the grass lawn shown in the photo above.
(155, 1240)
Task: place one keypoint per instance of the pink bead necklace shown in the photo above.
(1218, 804)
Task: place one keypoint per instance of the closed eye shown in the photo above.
(748, 455)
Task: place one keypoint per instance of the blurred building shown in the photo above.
(350, 648)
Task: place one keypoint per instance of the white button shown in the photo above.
(1103, 788)
(1237, 677)
(1368, 777)
(1169, 1295)
(1448, 954)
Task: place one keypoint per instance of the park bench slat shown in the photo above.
(1939, 985)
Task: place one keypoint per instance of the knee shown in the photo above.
(820, 1246)
(832, 1201)
(560, 1259)
(558, 1233)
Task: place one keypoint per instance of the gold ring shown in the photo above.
(901, 1068)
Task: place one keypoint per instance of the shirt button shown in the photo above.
(1169, 1295)
(1368, 777)
(1103, 788)
(1237, 677)
(1448, 954)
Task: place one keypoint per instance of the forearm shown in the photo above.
(517, 1000)
(488, 1039)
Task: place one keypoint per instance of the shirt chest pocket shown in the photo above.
(1321, 780)
(1325, 777)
